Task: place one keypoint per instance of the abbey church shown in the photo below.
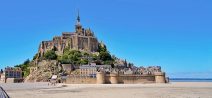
(81, 39)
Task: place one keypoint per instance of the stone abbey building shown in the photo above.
(80, 39)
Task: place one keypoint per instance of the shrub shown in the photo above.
(50, 55)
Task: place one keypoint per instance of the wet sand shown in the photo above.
(171, 90)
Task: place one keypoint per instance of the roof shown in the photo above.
(94, 66)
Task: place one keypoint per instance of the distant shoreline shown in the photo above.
(190, 79)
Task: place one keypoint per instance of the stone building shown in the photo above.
(13, 72)
(11, 75)
(90, 70)
(81, 39)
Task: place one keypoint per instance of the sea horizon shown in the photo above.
(190, 79)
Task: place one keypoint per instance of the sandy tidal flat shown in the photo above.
(171, 90)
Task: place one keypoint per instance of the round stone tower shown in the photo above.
(114, 78)
(100, 77)
(160, 77)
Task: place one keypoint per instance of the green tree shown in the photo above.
(95, 57)
(35, 56)
(1, 71)
(104, 55)
(84, 61)
(50, 55)
(71, 57)
(25, 68)
(102, 48)
(26, 62)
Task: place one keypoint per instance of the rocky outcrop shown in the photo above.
(43, 71)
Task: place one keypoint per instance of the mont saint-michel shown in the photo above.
(105, 49)
(79, 58)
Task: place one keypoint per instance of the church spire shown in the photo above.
(78, 18)
(78, 26)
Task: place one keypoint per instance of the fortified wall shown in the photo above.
(113, 78)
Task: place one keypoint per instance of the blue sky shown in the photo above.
(175, 34)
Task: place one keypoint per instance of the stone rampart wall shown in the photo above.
(133, 79)
(121, 79)
(80, 80)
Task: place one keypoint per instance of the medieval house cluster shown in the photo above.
(105, 74)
